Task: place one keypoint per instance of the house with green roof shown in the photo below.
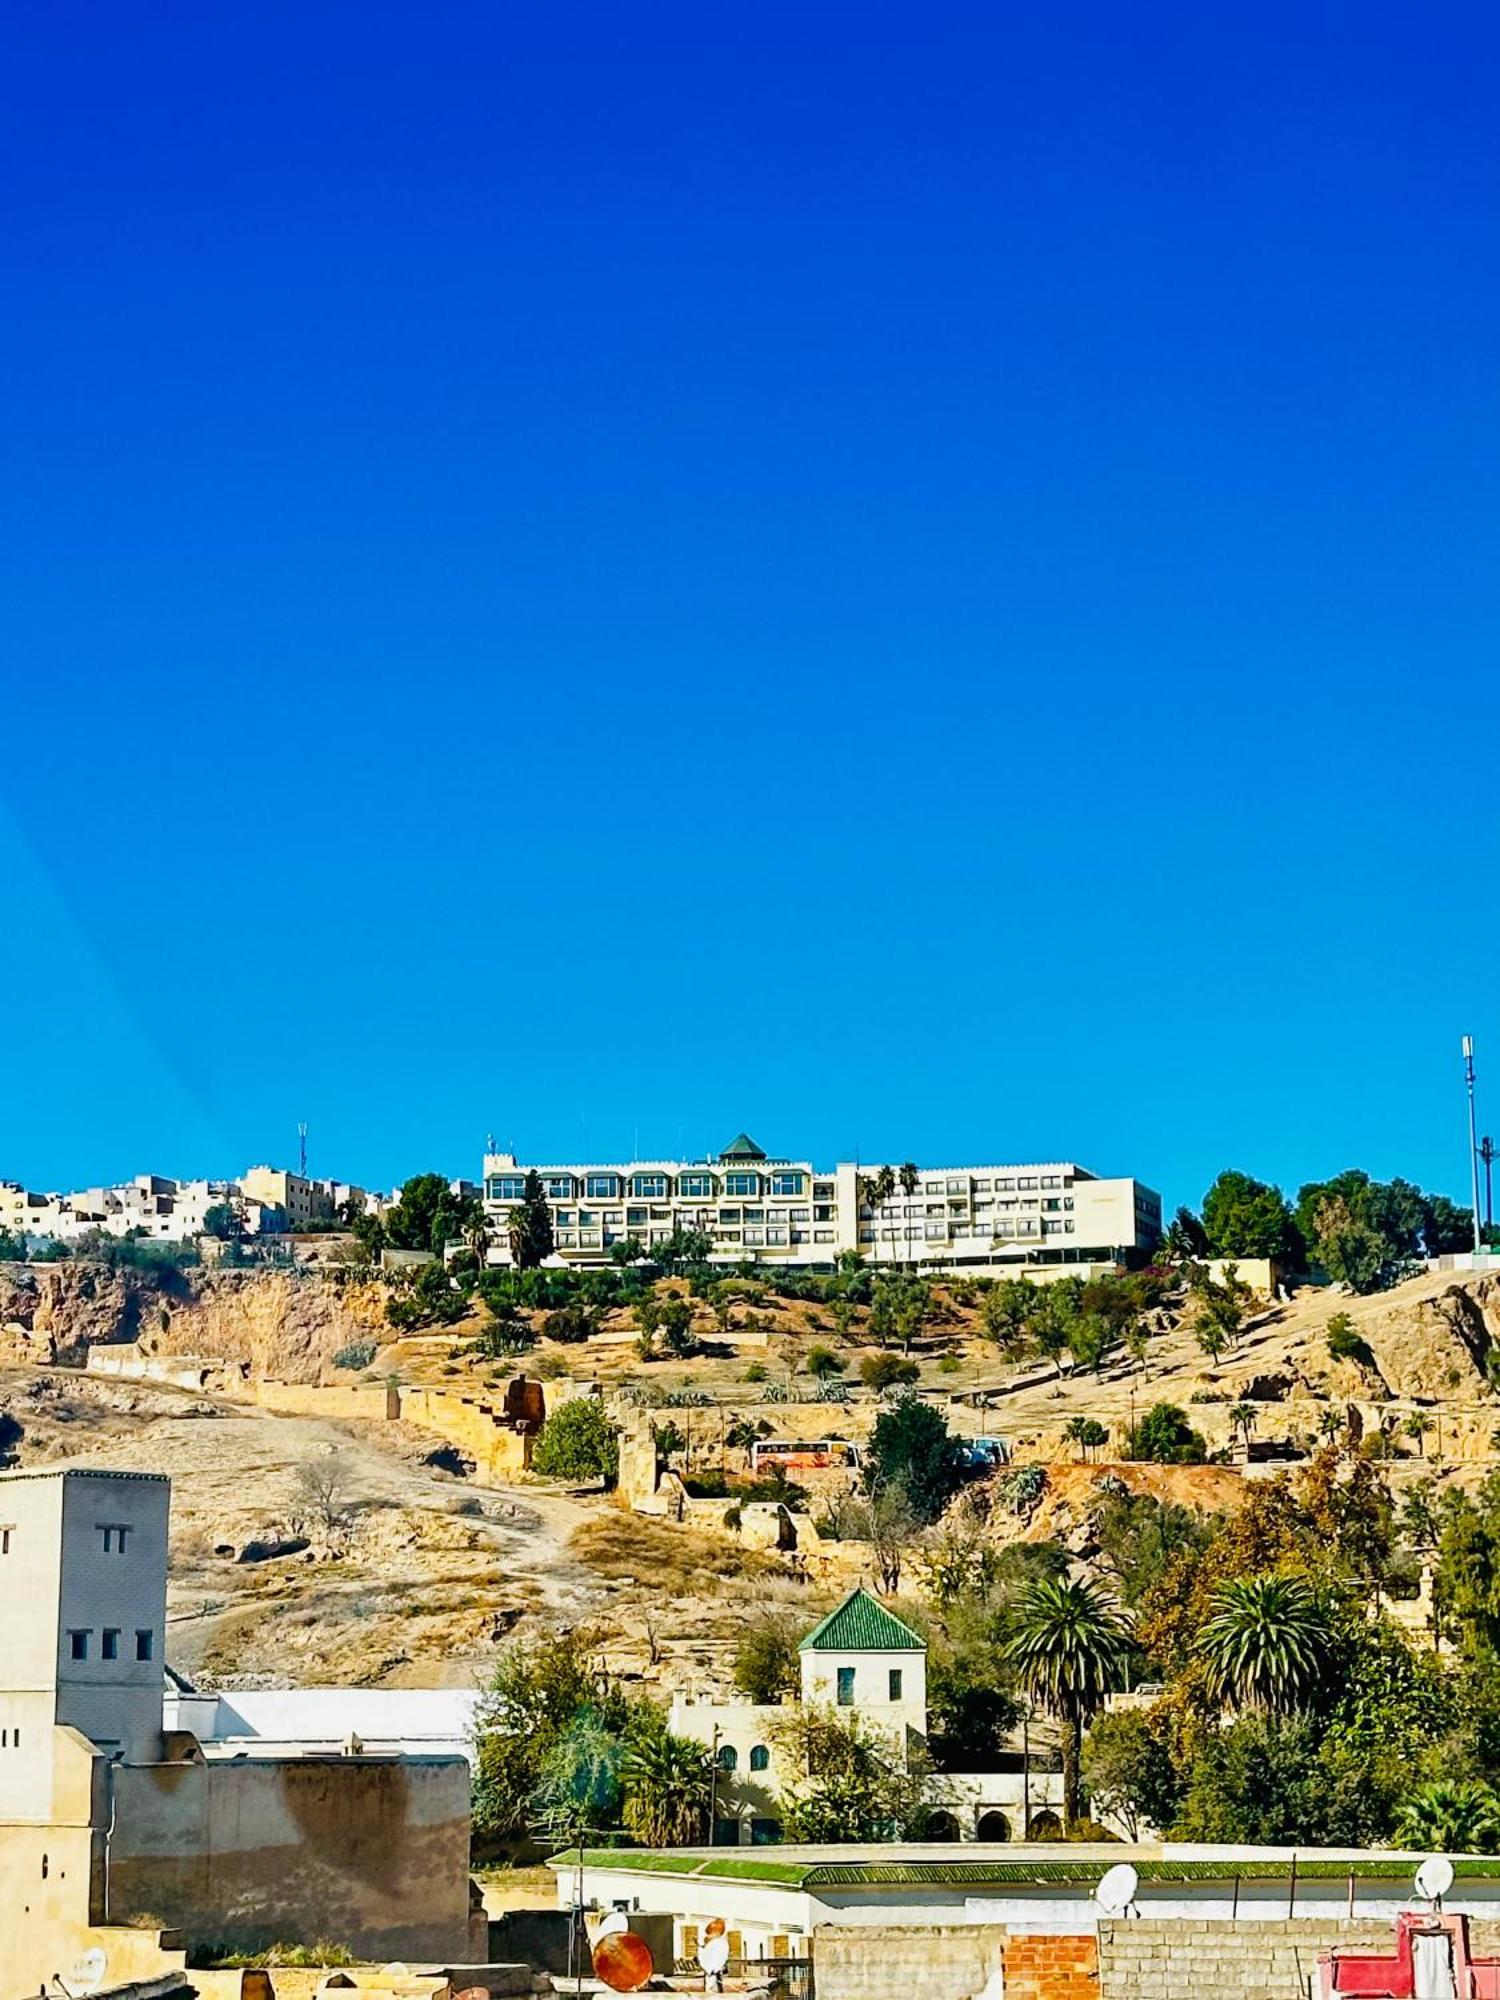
(864, 1659)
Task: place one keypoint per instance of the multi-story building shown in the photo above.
(302, 1201)
(756, 1207)
(270, 1200)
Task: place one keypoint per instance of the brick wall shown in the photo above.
(1189, 1960)
(1041, 1967)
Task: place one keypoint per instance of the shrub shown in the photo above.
(823, 1362)
(552, 1368)
(578, 1442)
(948, 1364)
(357, 1354)
(1344, 1344)
(1165, 1437)
(756, 1372)
(571, 1324)
(887, 1371)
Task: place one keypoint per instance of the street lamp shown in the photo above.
(1468, 1051)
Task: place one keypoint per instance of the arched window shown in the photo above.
(940, 1826)
(729, 1758)
(760, 1758)
(992, 1826)
(1045, 1825)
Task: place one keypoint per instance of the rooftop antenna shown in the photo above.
(302, 1150)
(1468, 1049)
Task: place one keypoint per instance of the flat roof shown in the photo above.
(1015, 1865)
(84, 1472)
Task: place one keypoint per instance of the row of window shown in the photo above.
(653, 1186)
(80, 1639)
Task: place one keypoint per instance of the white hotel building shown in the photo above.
(769, 1210)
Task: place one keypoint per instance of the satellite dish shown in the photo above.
(88, 1974)
(1435, 1878)
(623, 1961)
(713, 1954)
(613, 1924)
(1116, 1890)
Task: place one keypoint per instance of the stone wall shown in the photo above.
(1218, 1960)
(497, 1431)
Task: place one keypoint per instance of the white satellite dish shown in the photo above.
(88, 1974)
(713, 1954)
(612, 1925)
(1435, 1878)
(1116, 1890)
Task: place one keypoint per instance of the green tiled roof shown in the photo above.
(743, 1148)
(861, 1625)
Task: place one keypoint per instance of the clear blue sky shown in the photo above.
(919, 580)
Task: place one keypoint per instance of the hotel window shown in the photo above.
(799, 1215)
(144, 1645)
(755, 1237)
(109, 1643)
(603, 1187)
(981, 1187)
(1050, 1181)
(755, 1215)
(564, 1218)
(742, 1184)
(958, 1187)
(846, 1687)
(78, 1645)
(636, 1218)
(823, 1236)
(729, 1215)
(824, 1191)
(1026, 1181)
(695, 1187)
(559, 1187)
(787, 1181)
(894, 1684)
(1006, 1187)
(507, 1187)
(614, 1217)
(649, 1187)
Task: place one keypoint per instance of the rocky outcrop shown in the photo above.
(288, 1324)
(1435, 1348)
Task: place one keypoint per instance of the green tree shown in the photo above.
(668, 1788)
(1087, 1433)
(767, 1663)
(844, 1786)
(1130, 1770)
(1266, 1643)
(910, 1447)
(1450, 1818)
(429, 1215)
(1091, 1340)
(1005, 1314)
(1184, 1241)
(1417, 1427)
(538, 1690)
(1466, 1575)
(1244, 1418)
(886, 1371)
(683, 1249)
(676, 1323)
(225, 1220)
(1053, 1313)
(1069, 1645)
(1165, 1437)
(530, 1226)
(1243, 1217)
(578, 1441)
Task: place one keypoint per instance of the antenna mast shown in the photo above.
(302, 1150)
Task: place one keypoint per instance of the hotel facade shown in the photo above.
(760, 1208)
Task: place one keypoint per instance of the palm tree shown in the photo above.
(1330, 1422)
(1461, 1817)
(1266, 1641)
(668, 1784)
(1244, 1417)
(1416, 1427)
(1068, 1643)
(477, 1240)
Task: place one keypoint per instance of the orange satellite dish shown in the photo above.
(623, 1961)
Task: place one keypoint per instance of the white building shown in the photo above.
(864, 1659)
(270, 1200)
(755, 1207)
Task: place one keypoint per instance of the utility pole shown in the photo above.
(1468, 1052)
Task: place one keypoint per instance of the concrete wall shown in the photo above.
(1278, 1960)
(897, 1962)
(363, 1852)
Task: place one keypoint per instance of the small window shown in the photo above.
(846, 1687)
(729, 1758)
(78, 1645)
(5, 1535)
(114, 1538)
(109, 1643)
(143, 1645)
(895, 1684)
(760, 1758)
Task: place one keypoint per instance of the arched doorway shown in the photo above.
(940, 1826)
(992, 1826)
(1045, 1825)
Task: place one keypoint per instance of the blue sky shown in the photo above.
(922, 581)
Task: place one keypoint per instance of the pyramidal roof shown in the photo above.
(743, 1148)
(862, 1625)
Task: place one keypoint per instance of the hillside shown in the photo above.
(426, 1571)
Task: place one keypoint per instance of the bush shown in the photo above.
(578, 1442)
(948, 1364)
(571, 1324)
(1165, 1437)
(552, 1368)
(1344, 1344)
(357, 1354)
(756, 1372)
(823, 1362)
(887, 1371)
